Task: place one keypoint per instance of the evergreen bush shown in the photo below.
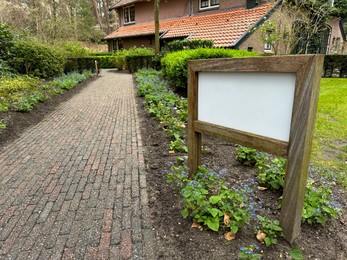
(175, 64)
(36, 59)
(180, 45)
(6, 41)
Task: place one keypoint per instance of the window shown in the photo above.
(129, 14)
(268, 42)
(208, 3)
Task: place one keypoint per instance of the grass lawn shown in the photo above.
(330, 138)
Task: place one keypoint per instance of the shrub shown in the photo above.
(36, 59)
(72, 49)
(80, 64)
(17, 85)
(6, 41)
(134, 63)
(335, 65)
(106, 62)
(180, 45)
(175, 64)
(5, 70)
(121, 55)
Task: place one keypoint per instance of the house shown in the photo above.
(229, 23)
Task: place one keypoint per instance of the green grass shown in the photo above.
(330, 139)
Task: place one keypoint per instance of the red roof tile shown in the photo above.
(224, 28)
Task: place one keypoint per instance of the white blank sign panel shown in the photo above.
(257, 103)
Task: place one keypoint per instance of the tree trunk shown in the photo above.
(156, 25)
(96, 13)
(107, 19)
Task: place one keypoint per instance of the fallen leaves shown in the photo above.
(226, 219)
(262, 188)
(261, 236)
(229, 236)
(197, 225)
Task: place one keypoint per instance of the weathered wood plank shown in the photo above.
(251, 64)
(262, 143)
(299, 150)
(194, 138)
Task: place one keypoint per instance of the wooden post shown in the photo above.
(308, 71)
(194, 138)
(299, 149)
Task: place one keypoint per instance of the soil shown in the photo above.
(174, 235)
(176, 239)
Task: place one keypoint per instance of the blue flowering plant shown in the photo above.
(318, 205)
(208, 200)
(250, 253)
(269, 230)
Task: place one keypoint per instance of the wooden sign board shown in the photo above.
(268, 103)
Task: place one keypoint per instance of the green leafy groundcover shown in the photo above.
(22, 93)
(175, 64)
(209, 200)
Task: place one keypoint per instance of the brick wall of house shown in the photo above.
(253, 43)
(147, 41)
(223, 5)
(178, 8)
(336, 43)
(168, 9)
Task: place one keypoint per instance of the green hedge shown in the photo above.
(174, 65)
(107, 62)
(36, 59)
(121, 55)
(180, 45)
(335, 65)
(80, 64)
(134, 63)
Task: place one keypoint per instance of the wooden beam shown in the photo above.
(262, 143)
(194, 138)
(300, 142)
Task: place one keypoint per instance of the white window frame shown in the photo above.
(128, 10)
(209, 5)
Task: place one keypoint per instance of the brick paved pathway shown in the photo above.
(74, 185)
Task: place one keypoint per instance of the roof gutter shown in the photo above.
(248, 33)
(117, 5)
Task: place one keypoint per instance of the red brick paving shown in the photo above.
(73, 186)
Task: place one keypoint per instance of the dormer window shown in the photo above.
(205, 4)
(129, 14)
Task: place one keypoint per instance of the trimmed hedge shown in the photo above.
(134, 63)
(180, 45)
(80, 64)
(121, 55)
(174, 65)
(88, 63)
(335, 65)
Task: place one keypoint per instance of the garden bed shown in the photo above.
(17, 122)
(178, 240)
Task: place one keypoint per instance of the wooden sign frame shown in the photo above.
(308, 70)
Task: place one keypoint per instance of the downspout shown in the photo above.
(190, 7)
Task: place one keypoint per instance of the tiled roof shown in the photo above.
(123, 3)
(224, 28)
